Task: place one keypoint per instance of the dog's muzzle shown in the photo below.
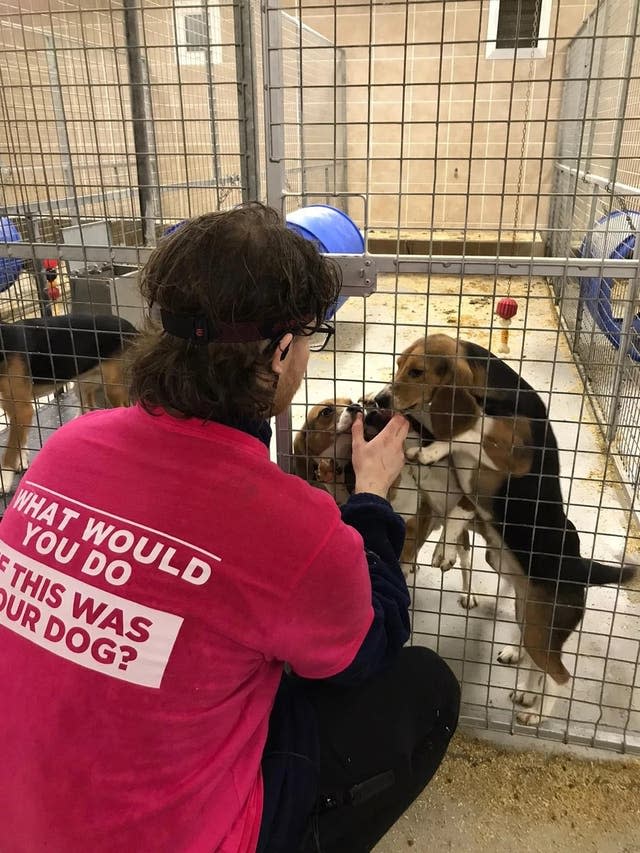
(383, 400)
(347, 418)
(375, 420)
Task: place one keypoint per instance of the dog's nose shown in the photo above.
(354, 408)
(383, 400)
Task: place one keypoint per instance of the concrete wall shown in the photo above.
(437, 126)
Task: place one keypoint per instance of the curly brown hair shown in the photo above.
(237, 266)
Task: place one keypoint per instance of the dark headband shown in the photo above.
(198, 329)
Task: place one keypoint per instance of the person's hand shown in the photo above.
(378, 462)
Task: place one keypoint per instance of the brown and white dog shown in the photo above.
(323, 454)
(494, 429)
(40, 355)
(316, 436)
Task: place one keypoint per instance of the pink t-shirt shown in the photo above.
(154, 575)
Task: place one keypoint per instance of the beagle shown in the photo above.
(495, 430)
(317, 435)
(424, 506)
(41, 354)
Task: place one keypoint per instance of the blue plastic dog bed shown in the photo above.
(10, 268)
(331, 230)
(611, 238)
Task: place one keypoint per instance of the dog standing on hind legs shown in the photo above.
(41, 354)
(494, 429)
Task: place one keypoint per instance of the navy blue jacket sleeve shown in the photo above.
(382, 531)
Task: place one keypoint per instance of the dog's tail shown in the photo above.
(599, 574)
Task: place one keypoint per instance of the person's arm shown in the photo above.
(377, 464)
(382, 531)
(362, 599)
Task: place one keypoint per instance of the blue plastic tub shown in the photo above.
(331, 230)
(10, 268)
(611, 238)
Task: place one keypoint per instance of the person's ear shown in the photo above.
(281, 352)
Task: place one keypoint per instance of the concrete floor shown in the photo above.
(488, 798)
(604, 704)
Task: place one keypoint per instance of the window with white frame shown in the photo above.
(518, 28)
(193, 36)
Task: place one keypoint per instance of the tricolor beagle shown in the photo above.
(494, 429)
(317, 435)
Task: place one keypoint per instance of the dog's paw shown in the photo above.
(468, 601)
(522, 698)
(408, 569)
(445, 556)
(412, 454)
(509, 655)
(528, 718)
(24, 461)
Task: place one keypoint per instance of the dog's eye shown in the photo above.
(328, 410)
(415, 373)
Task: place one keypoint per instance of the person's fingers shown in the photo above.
(397, 428)
(357, 431)
(402, 425)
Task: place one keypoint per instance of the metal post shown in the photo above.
(633, 288)
(598, 83)
(212, 103)
(633, 291)
(143, 138)
(274, 142)
(627, 74)
(273, 103)
(61, 126)
(246, 81)
(580, 306)
(33, 232)
(341, 130)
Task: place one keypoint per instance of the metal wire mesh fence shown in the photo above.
(594, 214)
(453, 176)
(459, 147)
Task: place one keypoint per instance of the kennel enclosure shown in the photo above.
(483, 149)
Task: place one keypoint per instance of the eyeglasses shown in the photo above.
(320, 336)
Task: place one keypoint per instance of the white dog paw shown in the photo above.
(413, 454)
(528, 718)
(509, 655)
(522, 698)
(444, 556)
(427, 456)
(468, 601)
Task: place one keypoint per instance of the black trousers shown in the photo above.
(380, 744)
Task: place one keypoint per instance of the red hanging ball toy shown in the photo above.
(51, 274)
(50, 269)
(506, 308)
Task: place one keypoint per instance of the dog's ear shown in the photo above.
(453, 410)
(462, 373)
(300, 441)
(450, 369)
